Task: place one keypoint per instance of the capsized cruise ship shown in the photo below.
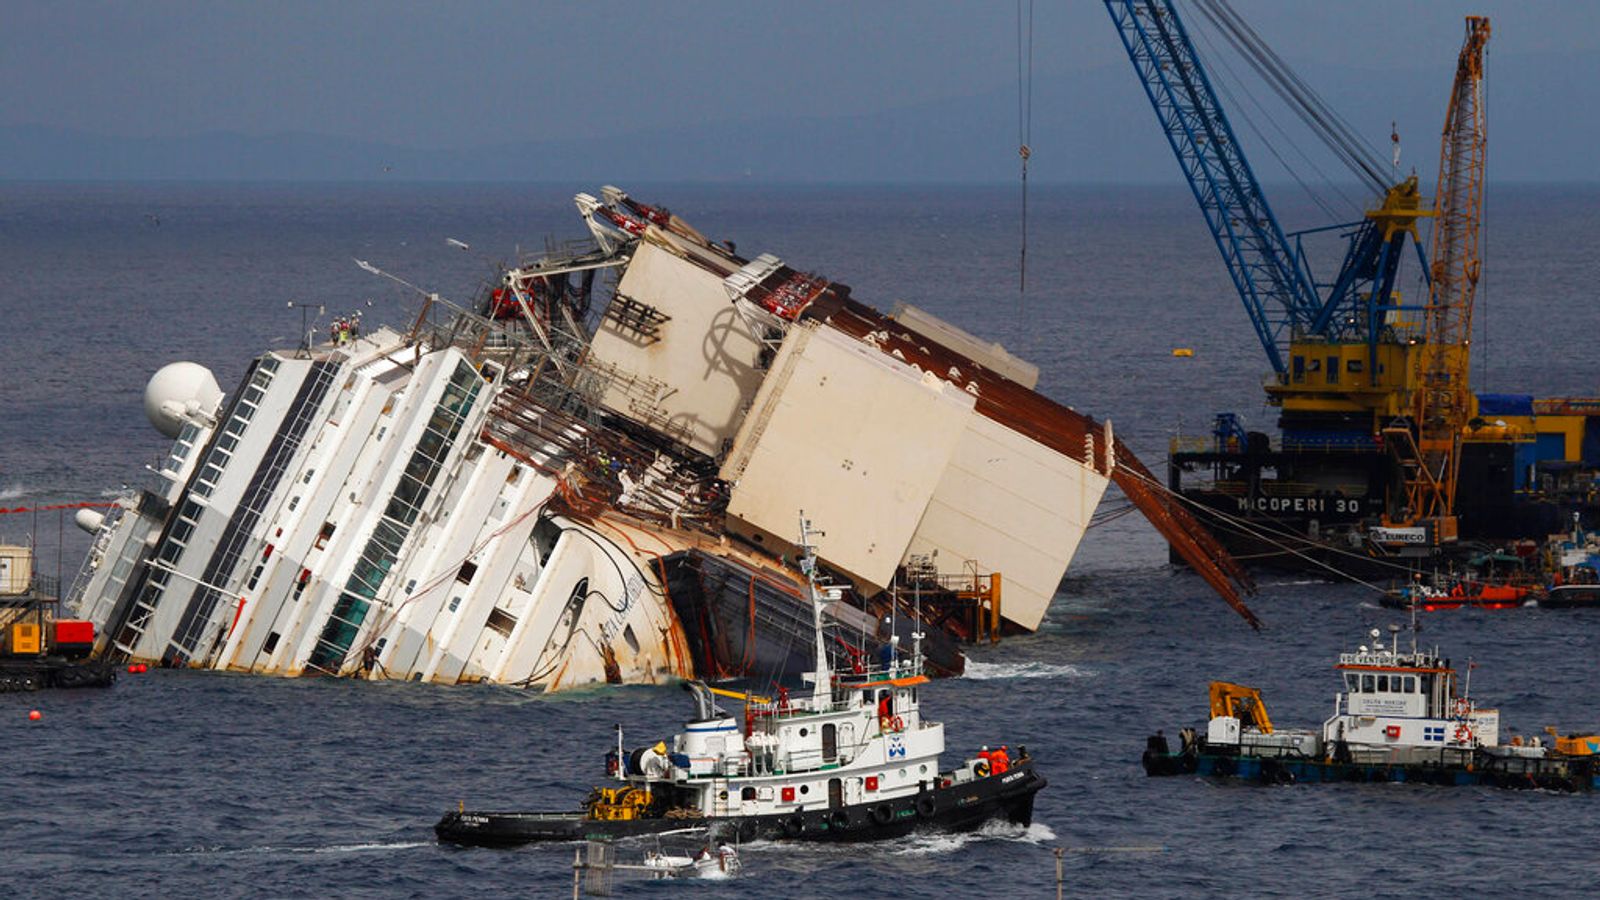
(586, 475)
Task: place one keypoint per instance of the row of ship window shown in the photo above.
(1368, 683)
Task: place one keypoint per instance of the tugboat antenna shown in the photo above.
(822, 685)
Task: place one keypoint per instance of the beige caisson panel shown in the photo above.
(857, 439)
(991, 355)
(1014, 506)
(694, 381)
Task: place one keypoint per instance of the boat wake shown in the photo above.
(366, 847)
(1296, 583)
(12, 491)
(940, 843)
(982, 671)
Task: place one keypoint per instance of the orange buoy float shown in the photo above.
(35, 715)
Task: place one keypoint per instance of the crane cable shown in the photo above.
(1241, 111)
(1345, 142)
(1024, 133)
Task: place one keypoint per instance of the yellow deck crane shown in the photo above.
(1441, 401)
(1243, 703)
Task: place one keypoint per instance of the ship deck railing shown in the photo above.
(1441, 757)
(1237, 488)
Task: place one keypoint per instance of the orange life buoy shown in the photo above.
(1463, 734)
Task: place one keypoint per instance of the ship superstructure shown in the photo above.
(560, 484)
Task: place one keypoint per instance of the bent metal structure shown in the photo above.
(504, 493)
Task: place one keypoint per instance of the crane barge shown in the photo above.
(1378, 425)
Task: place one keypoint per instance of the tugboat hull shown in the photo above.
(1571, 596)
(960, 807)
(1455, 769)
(33, 674)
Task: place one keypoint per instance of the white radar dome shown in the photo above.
(88, 520)
(178, 390)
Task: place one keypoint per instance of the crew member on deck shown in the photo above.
(999, 760)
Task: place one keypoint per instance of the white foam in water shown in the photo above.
(12, 491)
(982, 671)
(936, 843)
(334, 848)
(361, 848)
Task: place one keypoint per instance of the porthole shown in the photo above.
(805, 789)
(802, 732)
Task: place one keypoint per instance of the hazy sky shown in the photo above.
(464, 74)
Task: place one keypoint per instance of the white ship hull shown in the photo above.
(489, 497)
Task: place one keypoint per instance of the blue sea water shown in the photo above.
(194, 784)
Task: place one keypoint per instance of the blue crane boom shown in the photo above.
(1268, 268)
(1277, 291)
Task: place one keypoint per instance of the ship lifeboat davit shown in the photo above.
(176, 392)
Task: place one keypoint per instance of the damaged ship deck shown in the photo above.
(555, 487)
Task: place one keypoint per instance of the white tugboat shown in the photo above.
(1402, 716)
(853, 760)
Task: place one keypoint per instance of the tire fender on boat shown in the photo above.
(838, 820)
(926, 806)
(794, 825)
(882, 814)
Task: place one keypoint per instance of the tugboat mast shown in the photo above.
(822, 686)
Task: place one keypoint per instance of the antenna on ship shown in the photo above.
(916, 625)
(305, 329)
(823, 678)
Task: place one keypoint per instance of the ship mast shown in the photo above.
(822, 686)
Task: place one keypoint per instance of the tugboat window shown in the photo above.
(748, 793)
(1367, 684)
